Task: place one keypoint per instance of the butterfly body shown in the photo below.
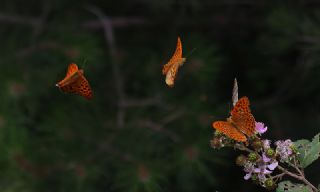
(75, 82)
(241, 123)
(171, 68)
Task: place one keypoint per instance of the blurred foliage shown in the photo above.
(52, 141)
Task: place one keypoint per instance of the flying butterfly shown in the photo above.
(170, 69)
(75, 82)
(241, 123)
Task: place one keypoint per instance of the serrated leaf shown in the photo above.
(300, 146)
(287, 186)
(308, 151)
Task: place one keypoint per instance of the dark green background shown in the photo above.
(52, 141)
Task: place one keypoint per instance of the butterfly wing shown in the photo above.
(77, 84)
(84, 87)
(242, 106)
(171, 68)
(72, 70)
(244, 122)
(175, 57)
(229, 130)
(171, 75)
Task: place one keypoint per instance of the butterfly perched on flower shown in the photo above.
(171, 68)
(241, 123)
(75, 82)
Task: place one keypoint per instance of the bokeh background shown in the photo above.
(137, 134)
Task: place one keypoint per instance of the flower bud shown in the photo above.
(269, 184)
(257, 144)
(255, 179)
(241, 160)
(216, 142)
(253, 157)
(270, 152)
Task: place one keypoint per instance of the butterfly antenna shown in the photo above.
(83, 62)
(191, 52)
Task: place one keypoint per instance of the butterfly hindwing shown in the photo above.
(229, 130)
(171, 75)
(84, 88)
(244, 122)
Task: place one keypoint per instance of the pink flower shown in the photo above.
(248, 168)
(284, 149)
(262, 168)
(260, 128)
(265, 158)
(273, 165)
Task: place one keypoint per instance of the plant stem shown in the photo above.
(299, 177)
(278, 176)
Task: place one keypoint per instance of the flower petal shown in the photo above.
(273, 165)
(247, 176)
(260, 128)
(265, 158)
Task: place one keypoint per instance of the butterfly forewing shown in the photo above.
(177, 53)
(229, 130)
(72, 69)
(176, 56)
(242, 106)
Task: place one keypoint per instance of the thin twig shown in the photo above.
(298, 177)
(17, 19)
(110, 40)
(160, 129)
(41, 21)
(241, 147)
(172, 116)
(117, 22)
(279, 176)
(140, 102)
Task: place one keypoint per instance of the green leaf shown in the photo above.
(287, 186)
(308, 151)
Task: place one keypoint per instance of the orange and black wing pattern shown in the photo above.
(75, 82)
(241, 123)
(171, 68)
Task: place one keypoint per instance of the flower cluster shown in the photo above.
(260, 163)
(284, 150)
(262, 160)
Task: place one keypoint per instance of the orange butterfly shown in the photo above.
(240, 124)
(75, 82)
(171, 68)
